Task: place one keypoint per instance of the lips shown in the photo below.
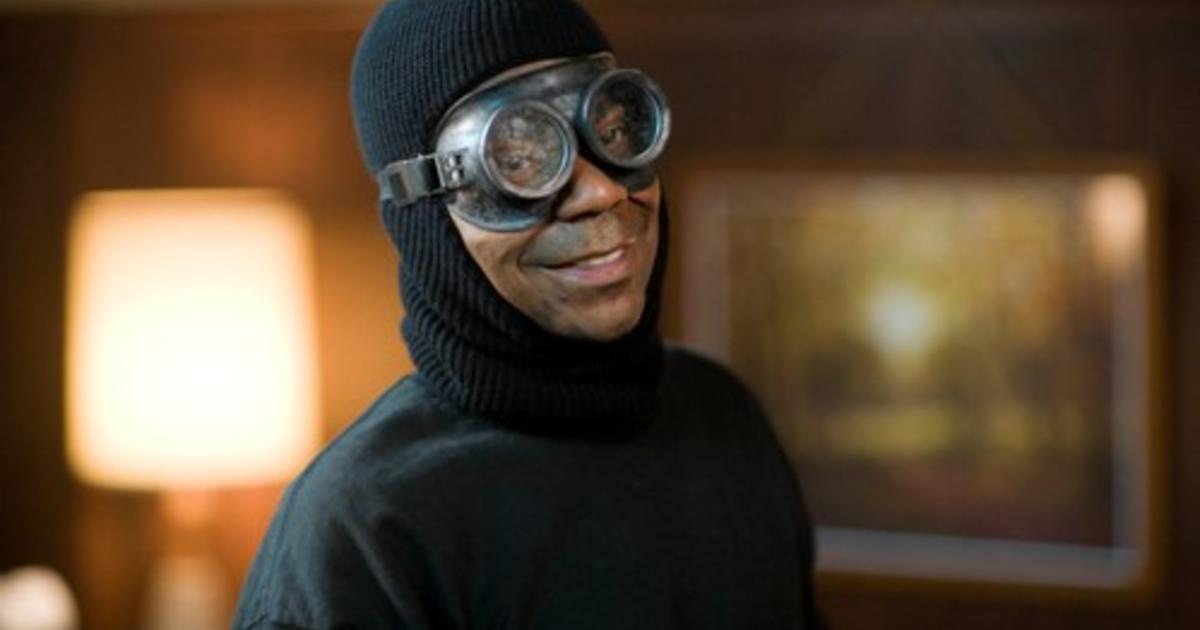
(597, 256)
(598, 260)
(597, 269)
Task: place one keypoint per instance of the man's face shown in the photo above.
(584, 272)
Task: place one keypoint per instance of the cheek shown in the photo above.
(490, 254)
(494, 252)
(498, 255)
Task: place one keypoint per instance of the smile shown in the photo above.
(600, 269)
(600, 259)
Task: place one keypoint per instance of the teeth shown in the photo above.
(596, 261)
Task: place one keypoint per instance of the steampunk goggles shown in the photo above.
(506, 150)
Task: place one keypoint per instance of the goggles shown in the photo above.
(506, 150)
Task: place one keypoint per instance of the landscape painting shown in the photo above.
(958, 365)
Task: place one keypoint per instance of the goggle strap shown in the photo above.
(407, 181)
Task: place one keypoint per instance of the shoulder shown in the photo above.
(710, 395)
(407, 464)
(378, 491)
(700, 377)
(701, 395)
(407, 434)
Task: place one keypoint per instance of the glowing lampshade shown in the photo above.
(190, 339)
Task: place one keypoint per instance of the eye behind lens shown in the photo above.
(528, 150)
(625, 118)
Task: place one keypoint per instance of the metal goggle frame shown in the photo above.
(505, 150)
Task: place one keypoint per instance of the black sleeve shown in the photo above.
(340, 562)
(807, 546)
(717, 378)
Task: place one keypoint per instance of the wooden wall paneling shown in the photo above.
(35, 489)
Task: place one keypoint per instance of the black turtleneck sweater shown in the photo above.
(422, 516)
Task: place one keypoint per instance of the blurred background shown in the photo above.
(151, 94)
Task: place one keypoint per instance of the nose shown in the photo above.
(590, 191)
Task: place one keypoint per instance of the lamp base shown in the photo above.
(185, 593)
(187, 589)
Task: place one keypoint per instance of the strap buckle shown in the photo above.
(406, 181)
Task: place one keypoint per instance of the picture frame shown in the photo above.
(961, 360)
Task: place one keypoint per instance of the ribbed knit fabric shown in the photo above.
(473, 348)
(419, 56)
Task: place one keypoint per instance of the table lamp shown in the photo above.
(191, 361)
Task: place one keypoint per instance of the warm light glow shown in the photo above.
(191, 350)
(901, 319)
(1116, 209)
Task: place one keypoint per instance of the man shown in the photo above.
(550, 465)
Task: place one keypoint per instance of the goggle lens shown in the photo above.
(527, 150)
(625, 121)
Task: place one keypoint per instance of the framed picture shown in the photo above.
(959, 363)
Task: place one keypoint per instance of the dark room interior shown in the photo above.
(190, 94)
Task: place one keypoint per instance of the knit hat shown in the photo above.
(418, 57)
(472, 347)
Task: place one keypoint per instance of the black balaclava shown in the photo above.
(471, 346)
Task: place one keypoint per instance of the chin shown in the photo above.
(607, 324)
(611, 332)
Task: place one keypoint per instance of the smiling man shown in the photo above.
(550, 465)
